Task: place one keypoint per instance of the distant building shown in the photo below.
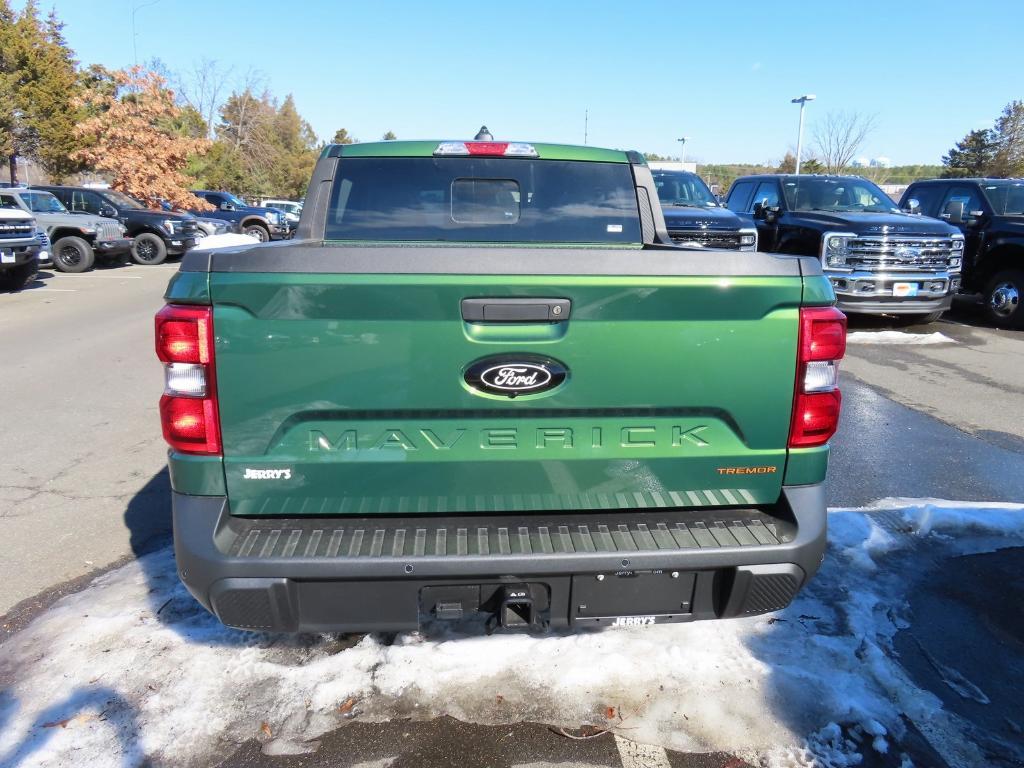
(860, 162)
(881, 162)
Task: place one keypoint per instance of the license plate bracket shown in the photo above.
(905, 290)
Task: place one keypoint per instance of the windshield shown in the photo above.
(42, 202)
(683, 189)
(1006, 197)
(229, 198)
(811, 193)
(483, 200)
(122, 199)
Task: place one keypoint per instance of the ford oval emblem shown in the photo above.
(515, 375)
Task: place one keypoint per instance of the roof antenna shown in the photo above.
(483, 134)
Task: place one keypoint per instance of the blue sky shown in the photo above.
(722, 73)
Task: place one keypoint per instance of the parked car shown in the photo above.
(264, 224)
(292, 209)
(516, 400)
(45, 256)
(77, 239)
(208, 226)
(990, 214)
(695, 218)
(156, 234)
(19, 247)
(879, 259)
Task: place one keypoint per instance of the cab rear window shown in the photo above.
(499, 200)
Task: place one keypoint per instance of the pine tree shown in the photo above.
(973, 155)
(38, 89)
(341, 137)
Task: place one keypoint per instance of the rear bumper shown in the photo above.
(389, 574)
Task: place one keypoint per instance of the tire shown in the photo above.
(1003, 304)
(258, 231)
(16, 278)
(149, 249)
(72, 254)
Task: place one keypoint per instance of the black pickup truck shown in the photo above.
(990, 213)
(694, 217)
(879, 259)
(265, 224)
(156, 234)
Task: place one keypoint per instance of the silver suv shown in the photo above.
(77, 239)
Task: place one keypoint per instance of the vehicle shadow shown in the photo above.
(95, 703)
(148, 520)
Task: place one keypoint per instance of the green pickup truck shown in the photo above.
(483, 384)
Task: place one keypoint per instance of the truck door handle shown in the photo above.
(515, 310)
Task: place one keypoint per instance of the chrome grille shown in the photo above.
(896, 253)
(44, 240)
(16, 229)
(706, 238)
(108, 230)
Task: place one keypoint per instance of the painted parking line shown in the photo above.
(635, 755)
(52, 290)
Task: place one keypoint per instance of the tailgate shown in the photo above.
(360, 394)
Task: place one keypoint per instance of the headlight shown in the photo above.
(747, 239)
(958, 243)
(87, 230)
(168, 226)
(835, 249)
(955, 262)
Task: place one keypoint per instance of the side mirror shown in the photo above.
(954, 212)
(760, 210)
(227, 207)
(109, 211)
(913, 206)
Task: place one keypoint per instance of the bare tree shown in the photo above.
(839, 136)
(204, 88)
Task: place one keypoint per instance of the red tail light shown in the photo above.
(188, 408)
(817, 401)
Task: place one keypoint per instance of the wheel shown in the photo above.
(1002, 299)
(16, 278)
(258, 231)
(72, 254)
(148, 249)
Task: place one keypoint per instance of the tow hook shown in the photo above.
(517, 608)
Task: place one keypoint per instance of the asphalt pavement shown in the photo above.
(82, 486)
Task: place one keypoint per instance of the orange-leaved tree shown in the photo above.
(132, 136)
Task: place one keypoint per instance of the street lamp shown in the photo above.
(682, 146)
(801, 100)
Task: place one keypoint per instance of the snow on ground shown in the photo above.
(226, 240)
(897, 337)
(131, 671)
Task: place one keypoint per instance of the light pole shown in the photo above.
(801, 100)
(682, 147)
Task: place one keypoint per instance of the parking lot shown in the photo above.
(131, 664)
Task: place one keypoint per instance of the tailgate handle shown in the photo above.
(515, 310)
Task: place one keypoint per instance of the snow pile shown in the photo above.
(897, 337)
(132, 670)
(226, 240)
